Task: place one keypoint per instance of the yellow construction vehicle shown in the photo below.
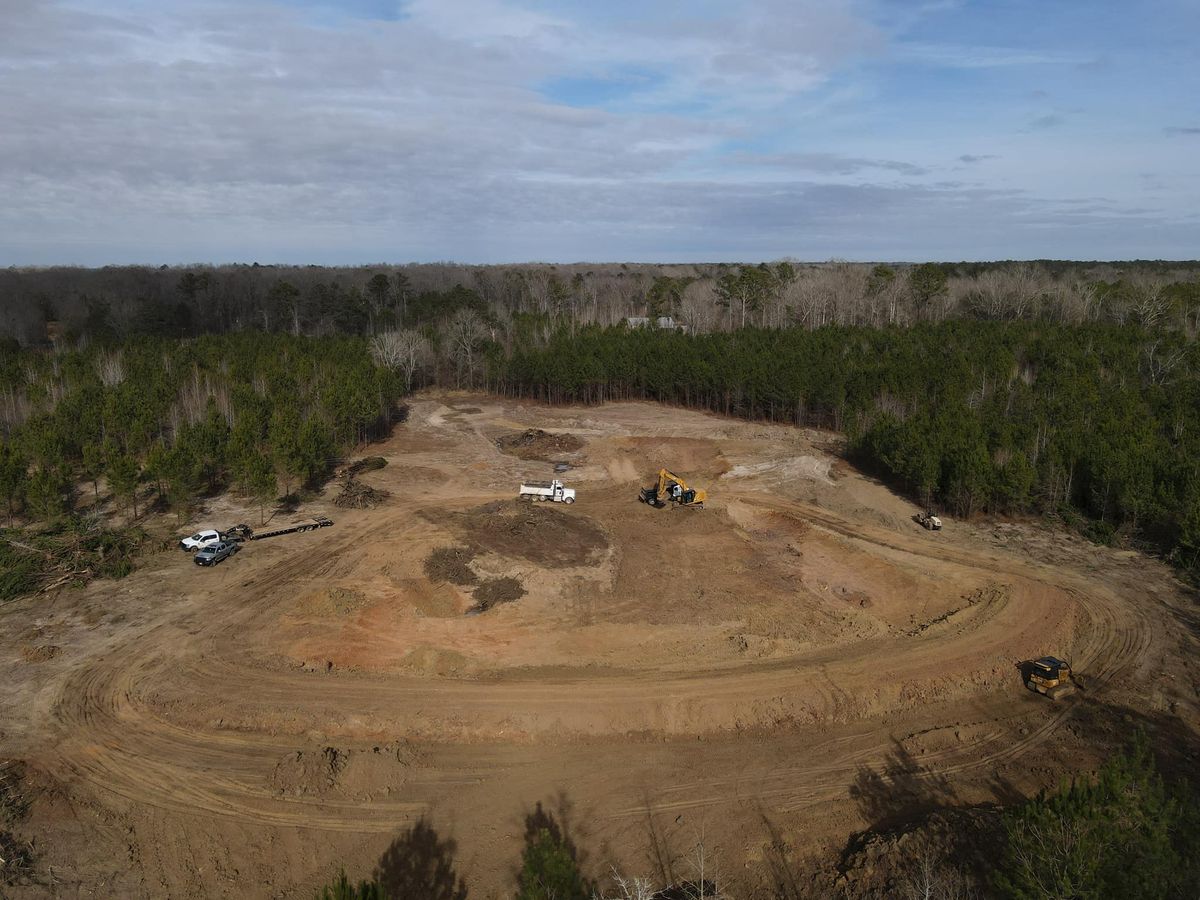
(672, 489)
(1050, 676)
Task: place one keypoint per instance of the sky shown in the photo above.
(484, 131)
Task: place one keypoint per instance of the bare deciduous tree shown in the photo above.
(110, 367)
(1148, 302)
(1161, 363)
(703, 885)
(698, 307)
(929, 878)
(405, 351)
(464, 332)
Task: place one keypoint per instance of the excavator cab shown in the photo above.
(672, 489)
(1050, 676)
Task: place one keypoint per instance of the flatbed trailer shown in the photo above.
(246, 533)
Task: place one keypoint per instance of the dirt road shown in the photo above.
(795, 662)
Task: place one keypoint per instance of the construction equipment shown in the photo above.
(1050, 676)
(554, 491)
(928, 520)
(670, 488)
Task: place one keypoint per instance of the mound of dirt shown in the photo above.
(451, 564)
(533, 443)
(356, 495)
(39, 653)
(355, 773)
(497, 590)
(948, 848)
(335, 602)
(539, 533)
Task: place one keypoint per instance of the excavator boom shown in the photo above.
(670, 488)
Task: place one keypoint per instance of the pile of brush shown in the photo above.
(356, 495)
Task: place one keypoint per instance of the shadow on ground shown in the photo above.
(420, 863)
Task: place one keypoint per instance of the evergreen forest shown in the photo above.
(1070, 391)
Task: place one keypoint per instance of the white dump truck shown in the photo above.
(927, 519)
(554, 490)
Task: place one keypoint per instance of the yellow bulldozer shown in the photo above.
(670, 488)
(1050, 676)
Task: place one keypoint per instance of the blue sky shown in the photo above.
(355, 131)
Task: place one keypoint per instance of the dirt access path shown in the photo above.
(796, 662)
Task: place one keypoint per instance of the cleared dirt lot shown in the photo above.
(796, 662)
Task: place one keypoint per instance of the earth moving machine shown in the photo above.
(928, 520)
(670, 488)
(246, 533)
(1050, 676)
(554, 491)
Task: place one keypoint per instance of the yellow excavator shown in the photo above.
(670, 488)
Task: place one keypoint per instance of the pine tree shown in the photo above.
(1124, 833)
(343, 889)
(549, 870)
(124, 475)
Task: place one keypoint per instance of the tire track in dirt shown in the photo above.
(1111, 652)
(192, 714)
(121, 741)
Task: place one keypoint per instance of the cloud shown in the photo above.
(972, 158)
(495, 129)
(826, 163)
(228, 112)
(1041, 123)
(975, 56)
(1179, 130)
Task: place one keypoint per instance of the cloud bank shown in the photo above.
(490, 130)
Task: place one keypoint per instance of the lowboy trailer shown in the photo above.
(246, 533)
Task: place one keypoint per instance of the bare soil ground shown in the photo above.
(795, 663)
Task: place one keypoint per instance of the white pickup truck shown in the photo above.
(201, 539)
(554, 490)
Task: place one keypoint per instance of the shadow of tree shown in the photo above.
(786, 882)
(1004, 791)
(899, 789)
(660, 842)
(419, 865)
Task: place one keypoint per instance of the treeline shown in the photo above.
(65, 306)
(1097, 421)
(251, 411)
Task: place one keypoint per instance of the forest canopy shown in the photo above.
(1070, 389)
